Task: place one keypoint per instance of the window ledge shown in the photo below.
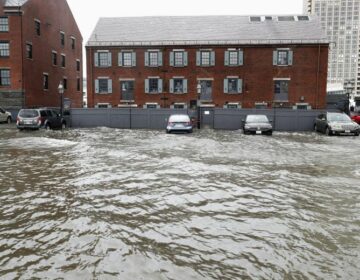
(233, 93)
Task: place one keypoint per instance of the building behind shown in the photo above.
(40, 46)
(340, 20)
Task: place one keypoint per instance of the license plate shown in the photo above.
(347, 131)
(258, 132)
(28, 122)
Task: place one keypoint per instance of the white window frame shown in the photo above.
(147, 104)
(102, 104)
(237, 104)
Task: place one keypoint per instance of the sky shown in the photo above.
(87, 13)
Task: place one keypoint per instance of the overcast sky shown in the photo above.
(87, 13)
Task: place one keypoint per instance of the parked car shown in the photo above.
(257, 124)
(356, 118)
(5, 116)
(38, 118)
(336, 123)
(179, 123)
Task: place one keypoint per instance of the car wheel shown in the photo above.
(270, 132)
(8, 120)
(63, 125)
(316, 128)
(356, 134)
(328, 131)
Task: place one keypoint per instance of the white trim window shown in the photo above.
(178, 58)
(103, 105)
(302, 106)
(283, 57)
(153, 85)
(127, 59)
(4, 24)
(4, 49)
(179, 106)
(205, 58)
(151, 105)
(103, 85)
(45, 81)
(233, 85)
(153, 58)
(5, 77)
(232, 105)
(234, 57)
(178, 85)
(102, 59)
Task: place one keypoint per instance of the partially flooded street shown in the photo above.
(135, 204)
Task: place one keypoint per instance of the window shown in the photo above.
(178, 85)
(178, 58)
(29, 51)
(233, 85)
(63, 60)
(4, 77)
(153, 58)
(205, 58)
(281, 90)
(37, 27)
(62, 39)
(4, 49)
(103, 105)
(45, 81)
(127, 90)
(78, 84)
(103, 85)
(233, 58)
(54, 58)
(179, 106)
(73, 43)
(103, 59)
(153, 85)
(4, 24)
(65, 83)
(127, 58)
(151, 106)
(232, 106)
(78, 65)
(283, 57)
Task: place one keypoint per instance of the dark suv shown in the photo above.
(37, 118)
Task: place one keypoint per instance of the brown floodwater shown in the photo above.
(120, 204)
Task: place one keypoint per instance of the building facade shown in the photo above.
(340, 19)
(224, 62)
(40, 46)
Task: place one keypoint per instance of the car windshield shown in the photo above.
(179, 118)
(256, 119)
(28, 114)
(338, 118)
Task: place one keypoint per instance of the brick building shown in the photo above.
(40, 46)
(210, 61)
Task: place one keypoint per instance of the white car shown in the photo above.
(179, 123)
(5, 116)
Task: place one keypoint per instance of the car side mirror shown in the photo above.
(243, 120)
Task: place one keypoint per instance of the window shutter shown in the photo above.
(212, 60)
(226, 58)
(275, 57)
(171, 89)
(239, 85)
(198, 58)
(120, 59)
(241, 57)
(96, 86)
(109, 59)
(226, 85)
(109, 86)
(146, 85)
(133, 59)
(171, 58)
(146, 58)
(160, 85)
(160, 58)
(185, 59)
(185, 86)
(290, 57)
(96, 59)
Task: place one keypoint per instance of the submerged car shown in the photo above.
(179, 123)
(39, 118)
(336, 124)
(5, 116)
(257, 124)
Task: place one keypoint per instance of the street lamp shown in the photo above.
(61, 92)
(198, 89)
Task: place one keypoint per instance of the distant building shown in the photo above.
(40, 46)
(210, 61)
(340, 20)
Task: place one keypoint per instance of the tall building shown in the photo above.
(341, 22)
(40, 46)
(209, 61)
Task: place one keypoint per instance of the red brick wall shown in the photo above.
(55, 16)
(308, 76)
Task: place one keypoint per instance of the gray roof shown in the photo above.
(15, 3)
(204, 30)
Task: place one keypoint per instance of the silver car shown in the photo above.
(179, 123)
(5, 116)
(336, 123)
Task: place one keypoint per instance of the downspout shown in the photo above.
(317, 79)
(22, 59)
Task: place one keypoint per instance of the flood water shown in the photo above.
(120, 204)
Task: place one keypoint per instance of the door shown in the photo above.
(281, 91)
(207, 117)
(127, 90)
(206, 90)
